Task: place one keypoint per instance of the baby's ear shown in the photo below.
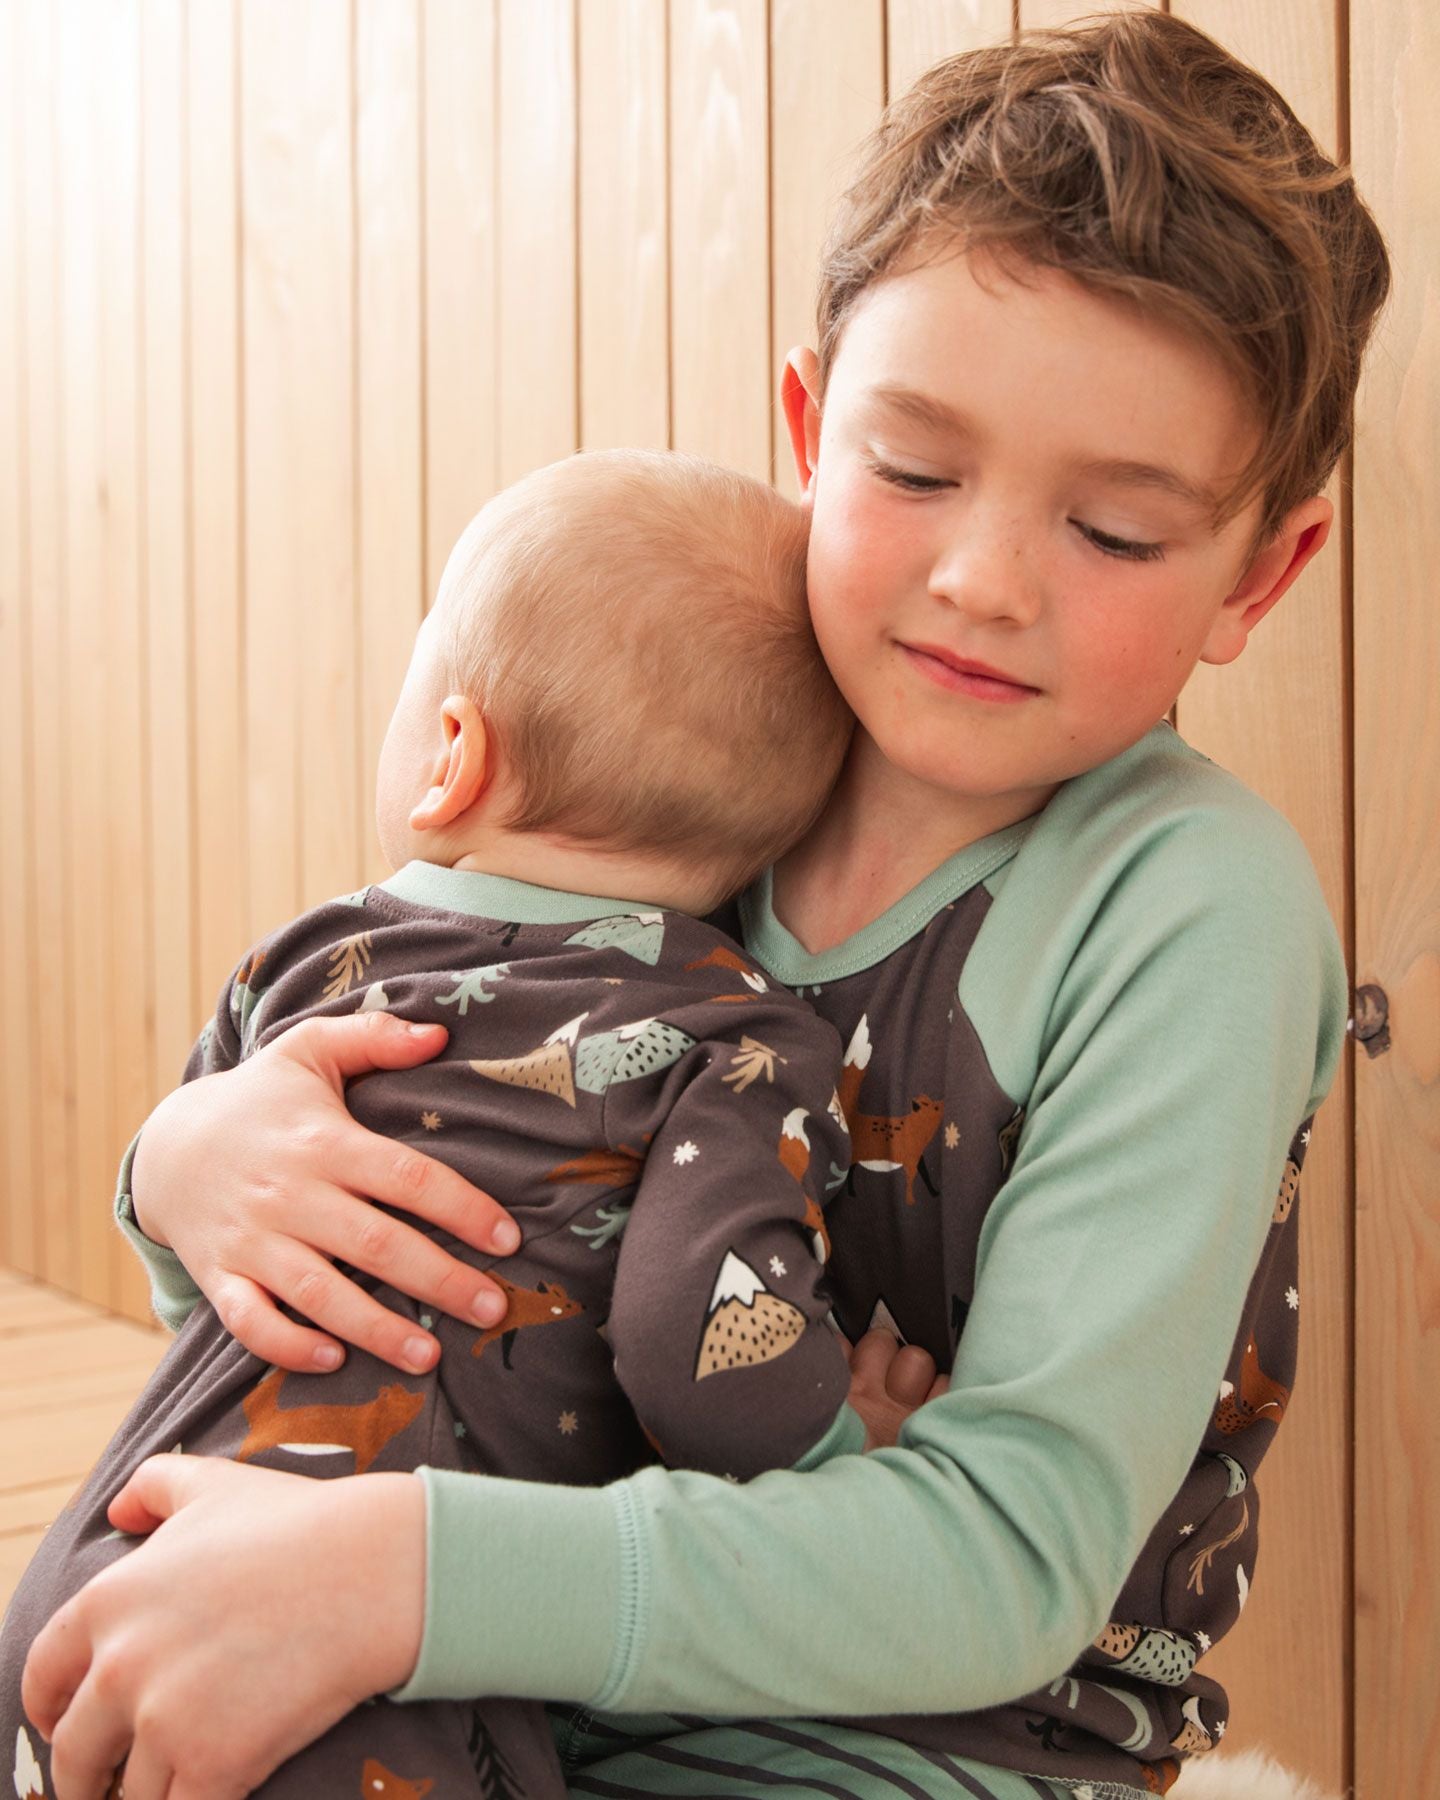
(1301, 534)
(463, 767)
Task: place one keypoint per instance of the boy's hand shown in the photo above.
(258, 1177)
(888, 1382)
(265, 1607)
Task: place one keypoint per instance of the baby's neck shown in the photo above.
(584, 869)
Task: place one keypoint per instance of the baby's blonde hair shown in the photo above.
(633, 626)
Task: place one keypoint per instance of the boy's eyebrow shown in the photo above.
(935, 415)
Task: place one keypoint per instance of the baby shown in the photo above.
(615, 717)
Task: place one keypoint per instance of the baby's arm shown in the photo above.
(718, 1319)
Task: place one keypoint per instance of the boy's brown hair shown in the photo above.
(1140, 158)
(634, 627)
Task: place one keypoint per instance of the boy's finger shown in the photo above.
(339, 1049)
(872, 1356)
(380, 1169)
(251, 1316)
(54, 1668)
(90, 1742)
(910, 1374)
(334, 1301)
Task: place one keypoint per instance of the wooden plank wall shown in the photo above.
(287, 291)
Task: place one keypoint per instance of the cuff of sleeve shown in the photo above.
(173, 1295)
(846, 1437)
(530, 1590)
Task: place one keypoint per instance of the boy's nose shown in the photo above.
(987, 574)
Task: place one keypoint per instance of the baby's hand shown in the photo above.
(258, 1177)
(888, 1382)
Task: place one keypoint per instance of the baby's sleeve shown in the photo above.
(719, 1317)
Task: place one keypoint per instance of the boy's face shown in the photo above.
(1002, 600)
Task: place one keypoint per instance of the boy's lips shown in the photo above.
(961, 674)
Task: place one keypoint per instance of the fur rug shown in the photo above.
(1249, 1776)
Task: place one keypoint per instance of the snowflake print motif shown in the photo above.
(430, 1120)
(1292, 1298)
(569, 1424)
(1305, 1135)
(686, 1153)
(1202, 1638)
(777, 1268)
(1185, 1530)
(752, 1060)
(952, 1135)
(1219, 1728)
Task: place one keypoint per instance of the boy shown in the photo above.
(1090, 326)
(617, 694)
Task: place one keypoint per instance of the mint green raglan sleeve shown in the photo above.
(173, 1293)
(1167, 1033)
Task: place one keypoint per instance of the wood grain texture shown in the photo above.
(301, 654)
(1395, 63)
(215, 442)
(920, 32)
(624, 220)
(54, 1106)
(461, 350)
(164, 724)
(537, 394)
(19, 1221)
(1277, 719)
(821, 110)
(719, 233)
(96, 521)
(391, 559)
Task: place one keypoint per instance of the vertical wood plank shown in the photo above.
(821, 109)
(1040, 14)
(1277, 719)
(223, 923)
(301, 699)
(80, 1258)
(55, 1095)
(624, 269)
(1394, 65)
(119, 621)
(461, 349)
(19, 1224)
(391, 559)
(920, 32)
(538, 394)
(719, 233)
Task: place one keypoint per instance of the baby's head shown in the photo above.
(628, 630)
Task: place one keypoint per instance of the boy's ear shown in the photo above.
(463, 769)
(800, 401)
(1266, 578)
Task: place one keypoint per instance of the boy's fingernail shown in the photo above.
(327, 1357)
(417, 1354)
(489, 1307)
(419, 1030)
(505, 1238)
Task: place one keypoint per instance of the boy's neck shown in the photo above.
(576, 869)
(881, 833)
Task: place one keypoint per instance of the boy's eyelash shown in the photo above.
(1126, 549)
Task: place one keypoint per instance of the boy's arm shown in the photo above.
(717, 1322)
(1200, 1020)
(174, 1293)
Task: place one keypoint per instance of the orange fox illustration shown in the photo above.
(795, 1160)
(526, 1307)
(620, 1167)
(880, 1143)
(1258, 1398)
(722, 958)
(379, 1783)
(364, 1428)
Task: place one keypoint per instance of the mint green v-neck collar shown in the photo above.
(790, 962)
(500, 897)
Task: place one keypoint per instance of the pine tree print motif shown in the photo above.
(628, 1053)
(496, 1778)
(547, 1069)
(379, 1783)
(245, 996)
(470, 985)
(348, 962)
(641, 935)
